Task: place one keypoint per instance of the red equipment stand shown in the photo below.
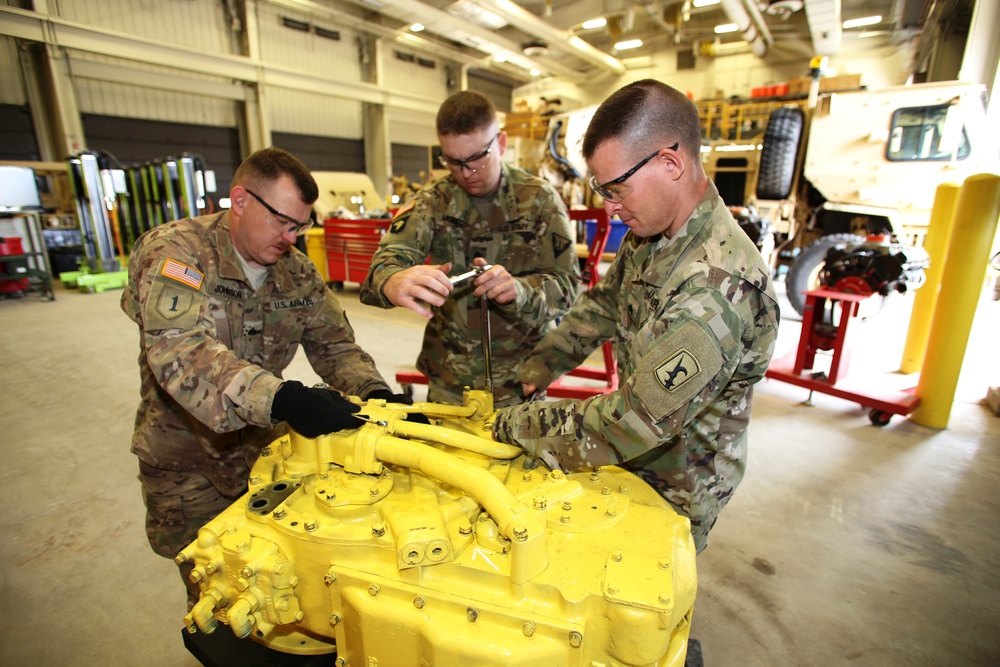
(350, 245)
(819, 333)
(589, 276)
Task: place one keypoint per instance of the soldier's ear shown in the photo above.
(673, 161)
(238, 199)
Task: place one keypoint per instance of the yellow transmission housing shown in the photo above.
(400, 544)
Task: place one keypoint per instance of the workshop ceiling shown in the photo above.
(548, 36)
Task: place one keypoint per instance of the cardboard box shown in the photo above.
(828, 84)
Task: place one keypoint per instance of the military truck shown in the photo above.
(857, 174)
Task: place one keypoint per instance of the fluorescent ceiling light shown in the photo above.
(473, 13)
(534, 72)
(726, 27)
(705, 3)
(416, 27)
(594, 23)
(858, 23)
(628, 44)
(500, 57)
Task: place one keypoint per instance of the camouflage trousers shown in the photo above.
(177, 505)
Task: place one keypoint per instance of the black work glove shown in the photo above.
(390, 397)
(313, 411)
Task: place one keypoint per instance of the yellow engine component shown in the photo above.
(400, 543)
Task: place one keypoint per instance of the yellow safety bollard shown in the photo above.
(976, 216)
(936, 245)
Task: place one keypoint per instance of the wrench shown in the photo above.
(472, 273)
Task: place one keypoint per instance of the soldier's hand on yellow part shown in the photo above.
(426, 283)
(496, 282)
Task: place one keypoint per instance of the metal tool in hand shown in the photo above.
(471, 273)
(484, 301)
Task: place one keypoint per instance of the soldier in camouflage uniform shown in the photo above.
(484, 213)
(690, 302)
(222, 302)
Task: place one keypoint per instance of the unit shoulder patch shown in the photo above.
(677, 368)
(402, 215)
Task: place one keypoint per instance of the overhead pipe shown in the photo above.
(563, 40)
(754, 32)
(715, 49)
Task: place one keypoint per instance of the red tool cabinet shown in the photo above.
(350, 245)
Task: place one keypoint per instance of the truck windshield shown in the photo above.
(926, 133)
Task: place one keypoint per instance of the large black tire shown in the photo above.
(803, 274)
(779, 152)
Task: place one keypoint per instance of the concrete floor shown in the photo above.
(846, 544)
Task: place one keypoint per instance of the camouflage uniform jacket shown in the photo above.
(212, 349)
(696, 318)
(528, 232)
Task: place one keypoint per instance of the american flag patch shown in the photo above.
(182, 273)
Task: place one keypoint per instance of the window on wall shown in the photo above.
(323, 153)
(17, 134)
(135, 141)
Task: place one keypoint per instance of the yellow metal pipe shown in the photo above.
(457, 439)
(976, 216)
(519, 523)
(936, 244)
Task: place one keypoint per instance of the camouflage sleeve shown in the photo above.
(590, 322)
(181, 347)
(685, 360)
(329, 345)
(406, 244)
(549, 291)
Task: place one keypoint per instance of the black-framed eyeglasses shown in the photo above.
(288, 223)
(458, 166)
(616, 189)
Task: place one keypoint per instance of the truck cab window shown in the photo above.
(926, 133)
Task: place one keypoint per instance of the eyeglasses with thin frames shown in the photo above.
(615, 190)
(459, 166)
(287, 222)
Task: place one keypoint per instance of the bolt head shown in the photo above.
(419, 602)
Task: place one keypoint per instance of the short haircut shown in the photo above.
(464, 113)
(643, 116)
(266, 166)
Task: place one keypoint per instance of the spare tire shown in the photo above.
(803, 274)
(779, 152)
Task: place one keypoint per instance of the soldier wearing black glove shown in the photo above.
(313, 411)
(390, 397)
